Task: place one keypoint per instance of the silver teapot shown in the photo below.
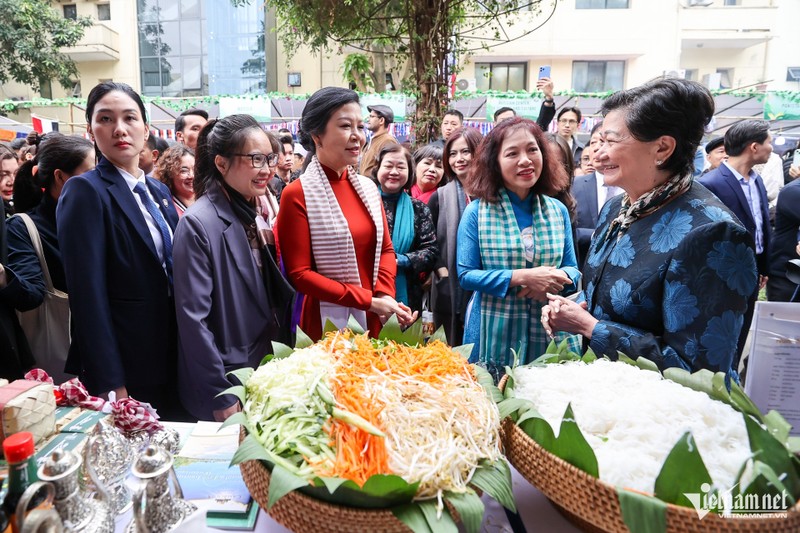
(155, 509)
(110, 454)
(42, 519)
(78, 510)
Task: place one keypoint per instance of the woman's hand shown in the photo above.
(794, 172)
(537, 282)
(562, 314)
(385, 306)
(221, 415)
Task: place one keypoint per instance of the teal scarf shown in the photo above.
(402, 238)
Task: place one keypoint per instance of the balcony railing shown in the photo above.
(99, 43)
(727, 26)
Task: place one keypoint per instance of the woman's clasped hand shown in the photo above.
(536, 282)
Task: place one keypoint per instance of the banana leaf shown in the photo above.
(773, 449)
(379, 491)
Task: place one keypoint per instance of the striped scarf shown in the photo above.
(331, 241)
(512, 323)
(651, 201)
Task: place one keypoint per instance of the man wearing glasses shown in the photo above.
(569, 120)
(380, 116)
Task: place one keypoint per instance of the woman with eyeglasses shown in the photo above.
(231, 300)
(333, 236)
(175, 169)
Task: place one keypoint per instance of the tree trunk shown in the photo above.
(429, 48)
(379, 68)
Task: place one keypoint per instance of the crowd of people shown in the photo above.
(184, 262)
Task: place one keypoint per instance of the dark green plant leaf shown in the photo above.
(413, 335)
(329, 327)
(331, 483)
(267, 358)
(379, 491)
(235, 419)
(513, 406)
(411, 515)
(641, 513)
(625, 359)
(439, 524)
(281, 483)
(465, 350)
(354, 326)
(743, 402)
(683, 472)
(237, 390)
(572, 446)
(778, 426)
(391, 331)
(765, 481)
(469, 507)
(439, 335)
(767, 449)
(242, 374)
(280, 350)
(538, 429)
(589, 356)
(495, 480)
(647, 364)
(249, 450)
(301, 339)
(485, 380)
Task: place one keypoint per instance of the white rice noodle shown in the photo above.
(632, 418)
(436, 434)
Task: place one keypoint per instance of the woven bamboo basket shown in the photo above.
(302, 513)
(593, 505)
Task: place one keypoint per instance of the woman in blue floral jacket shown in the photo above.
(670, 270)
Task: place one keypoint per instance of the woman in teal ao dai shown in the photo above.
(514, 245)
(670, 270)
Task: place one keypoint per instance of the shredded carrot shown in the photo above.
(360, 455)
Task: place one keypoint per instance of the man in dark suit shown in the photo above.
(124, 327)
(590, 193)
(747, 143)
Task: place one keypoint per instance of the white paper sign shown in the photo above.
(773, 372)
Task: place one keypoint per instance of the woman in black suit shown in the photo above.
(115, 229)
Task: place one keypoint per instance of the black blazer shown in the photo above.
(584, 189)
(726, 187)
(123, 314)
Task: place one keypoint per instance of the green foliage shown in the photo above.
(31, 37)
(683, 472)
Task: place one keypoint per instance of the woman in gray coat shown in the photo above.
(230, 297)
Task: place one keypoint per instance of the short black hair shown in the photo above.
(180, 122)
(503, 110)
(18, 143)
(567, 110)
(455, 113)
(596, 127)
(673, 107)
(743, 134)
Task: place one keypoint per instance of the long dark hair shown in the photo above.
(485, 178)
(317, 113)
(564, 154)
(54, 152)
(471, 136)
(224, 136)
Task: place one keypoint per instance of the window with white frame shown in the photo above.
(597, 76)
(501, 76)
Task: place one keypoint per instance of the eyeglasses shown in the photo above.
(567, 121)
(186, 172)
(259, 160)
